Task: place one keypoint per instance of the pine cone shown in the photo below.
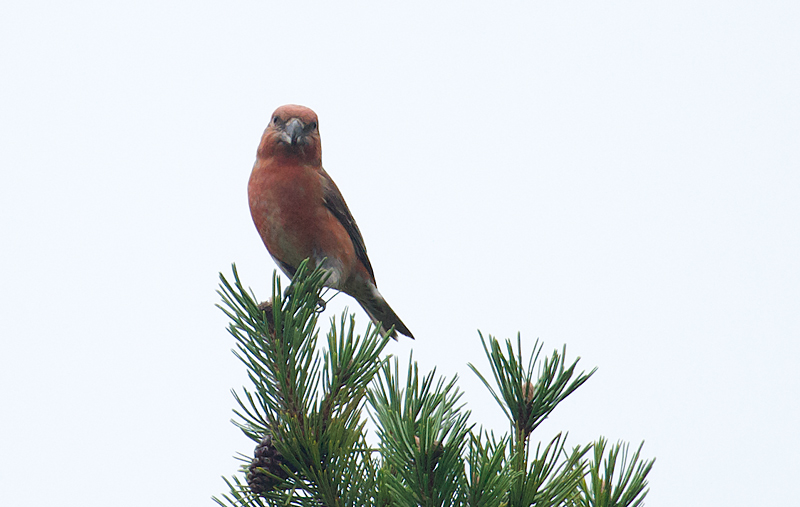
(265, 469)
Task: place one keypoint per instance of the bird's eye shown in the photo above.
(275, 120)
(312, 125)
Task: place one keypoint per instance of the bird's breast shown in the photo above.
(286, 204)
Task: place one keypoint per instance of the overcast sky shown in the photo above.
(619, 177)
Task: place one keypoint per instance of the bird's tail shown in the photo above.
(380, 312)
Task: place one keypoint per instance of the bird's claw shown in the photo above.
(321, 303)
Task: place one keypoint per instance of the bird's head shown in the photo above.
(292, 131)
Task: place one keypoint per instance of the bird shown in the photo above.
(300, 213)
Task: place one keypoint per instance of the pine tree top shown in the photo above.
(306, 407)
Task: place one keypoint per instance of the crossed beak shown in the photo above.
(293, 132)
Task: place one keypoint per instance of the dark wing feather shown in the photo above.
(336, 205)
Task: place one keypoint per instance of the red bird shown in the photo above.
(300, 213)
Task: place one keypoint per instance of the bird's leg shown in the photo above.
(321, 303)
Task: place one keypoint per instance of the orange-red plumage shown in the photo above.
(300, 213)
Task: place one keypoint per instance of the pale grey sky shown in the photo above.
(622, 177)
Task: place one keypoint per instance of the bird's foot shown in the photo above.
(321, 303)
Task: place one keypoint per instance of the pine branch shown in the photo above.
(304, 408)
(630, 487)
(490, 476)
(309, 409)
(526, 402)
(528, 395)
(423, 432)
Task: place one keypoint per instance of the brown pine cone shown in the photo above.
(265, 470)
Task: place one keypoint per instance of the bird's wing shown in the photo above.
(336, 205)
